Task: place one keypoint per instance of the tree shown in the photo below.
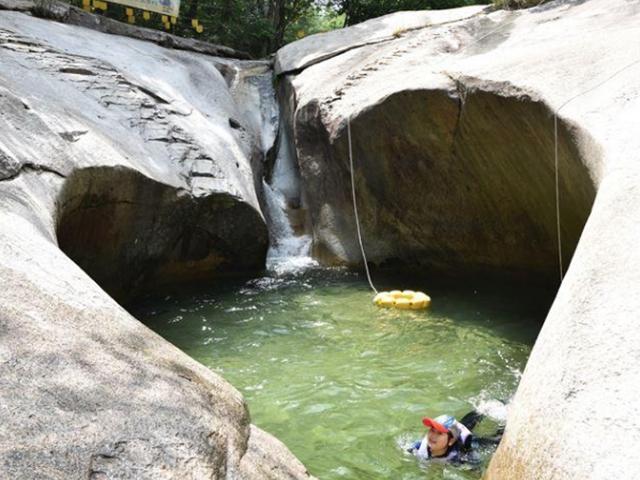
(261, 27)
(257, 26)
(282, 14)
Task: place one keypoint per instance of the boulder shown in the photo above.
(120, 170)
(454, 157)
(130, 125)
(429, 141)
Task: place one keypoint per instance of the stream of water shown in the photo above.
(345, 384)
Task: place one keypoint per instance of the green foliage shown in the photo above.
(260, 27)
(238, 24)
(319, 19)
(257, 26)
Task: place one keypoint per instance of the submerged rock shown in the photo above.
(453, 141)
(118, 165)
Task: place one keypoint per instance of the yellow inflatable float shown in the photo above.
(406, 300)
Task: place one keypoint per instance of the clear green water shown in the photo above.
(345, 384)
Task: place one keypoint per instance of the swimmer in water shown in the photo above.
(444, 440)
(451, 441)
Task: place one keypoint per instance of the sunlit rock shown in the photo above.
(120, 170)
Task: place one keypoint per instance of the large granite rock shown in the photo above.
(453, 140)
(134, 164)
(316, 48)
(132, 125)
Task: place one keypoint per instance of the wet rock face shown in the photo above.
(130, 233)
(446, 182)
(454, 171)
(105, 397)
(188, 214)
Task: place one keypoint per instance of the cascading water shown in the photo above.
(288, 251)
(252, 89)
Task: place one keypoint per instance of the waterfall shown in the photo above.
(255, 97)
(252, 90)
(289, 249)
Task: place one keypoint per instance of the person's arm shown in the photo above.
(465, 435)
(415, 446)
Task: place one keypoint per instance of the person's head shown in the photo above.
(443, 433)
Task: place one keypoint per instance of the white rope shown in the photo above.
(555, 135)
(556, 156)
(555, 152)
(355, 208)
(353, 183)
(555, 130)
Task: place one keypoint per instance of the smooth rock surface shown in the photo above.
(453, 141)
(316, 48)
(122, 154)
(118, 106)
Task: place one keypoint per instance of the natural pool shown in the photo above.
(345, 384)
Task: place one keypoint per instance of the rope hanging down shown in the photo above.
(556, 156)
(555, 139)
(355, 207)
(353, 183)
(555, 152)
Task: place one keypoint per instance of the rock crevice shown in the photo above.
(30, 167)
(156, 235)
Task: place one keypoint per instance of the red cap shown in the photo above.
(431, 423)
